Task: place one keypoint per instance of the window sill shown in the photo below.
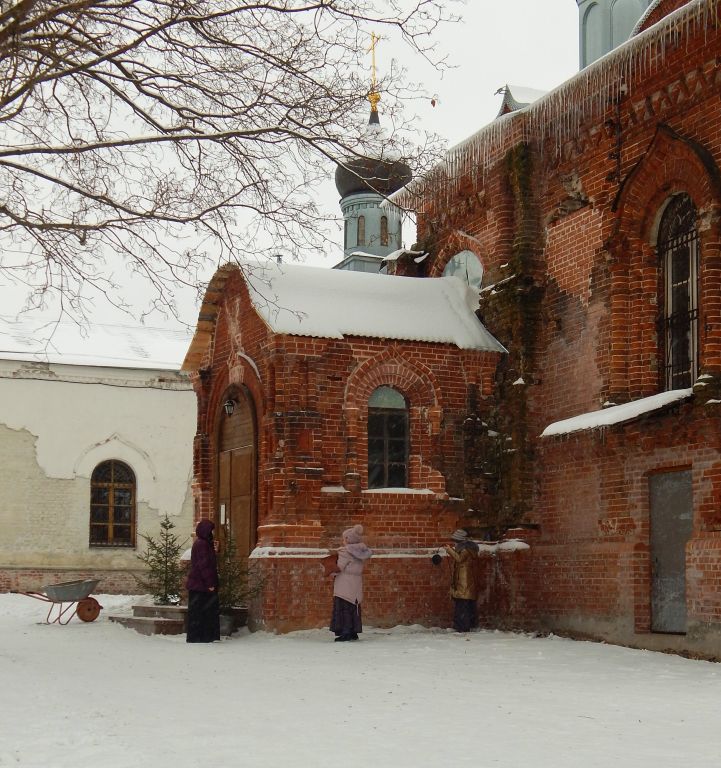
(411, 491)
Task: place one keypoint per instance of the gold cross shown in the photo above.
(373, 96)
(374, 41)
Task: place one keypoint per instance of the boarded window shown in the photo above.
(387, 439)
(112, 505)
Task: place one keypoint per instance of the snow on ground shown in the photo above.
(103, 696)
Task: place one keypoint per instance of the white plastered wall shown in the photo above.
(57, 423)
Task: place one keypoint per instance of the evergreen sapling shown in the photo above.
(164, 578)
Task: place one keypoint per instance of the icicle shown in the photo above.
(560, 114)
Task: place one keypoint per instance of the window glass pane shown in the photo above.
(375, 476)
(99, 496)
(681, 265)
(98, 534)
(122, 496)
(680, 299)
(122, 473)
(396, 450)
(121, 534)
(103, 473)
(375, 451)
(122, 515)
(98, 514)
(396, 475)
(386, 397)
(397, 425)
(376, 424)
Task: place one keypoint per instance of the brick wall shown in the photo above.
(310, 401)
(596, 196)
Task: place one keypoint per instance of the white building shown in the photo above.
(96, 446)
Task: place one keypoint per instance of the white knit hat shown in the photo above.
(460, 535)
(353, 535)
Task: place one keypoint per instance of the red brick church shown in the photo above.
(543, 368)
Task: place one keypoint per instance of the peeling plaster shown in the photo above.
(78, 425)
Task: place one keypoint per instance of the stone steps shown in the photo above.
(155, 619)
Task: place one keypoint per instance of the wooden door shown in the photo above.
(671, 507)
(237, 476)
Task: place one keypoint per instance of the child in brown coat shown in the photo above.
(464, 586)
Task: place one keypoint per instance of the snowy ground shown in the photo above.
(103, 696)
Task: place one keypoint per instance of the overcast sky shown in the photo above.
(529, 43)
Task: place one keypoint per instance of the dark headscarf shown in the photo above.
(204, 530)
(203, 574)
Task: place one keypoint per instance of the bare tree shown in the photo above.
(162, 131)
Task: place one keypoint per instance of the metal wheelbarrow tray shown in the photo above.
(67, 599)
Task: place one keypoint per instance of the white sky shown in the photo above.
(530, 43)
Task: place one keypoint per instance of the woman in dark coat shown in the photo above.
(202, 583)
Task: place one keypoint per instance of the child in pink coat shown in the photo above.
(348, 585)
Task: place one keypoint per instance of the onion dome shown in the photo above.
(368, 174)
(365, 174)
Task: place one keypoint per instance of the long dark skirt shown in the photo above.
(346, 619)
(464, 614)
(203, 617)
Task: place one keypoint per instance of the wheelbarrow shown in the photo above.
(68, 599)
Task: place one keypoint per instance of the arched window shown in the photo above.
(592, 35)
(112, 505)
(384, 230)
(387, 439)
(361, 239)
(466, 266)
(678, 257)
(345, 233)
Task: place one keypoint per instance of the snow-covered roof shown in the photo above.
(97, 344)
(333, 303)
(639, 24)
(395, 255)
(616, 414)
(517, 97)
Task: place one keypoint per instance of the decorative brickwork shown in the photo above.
(310, 397)
(566, 229)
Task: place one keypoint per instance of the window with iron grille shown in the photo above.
(679, 259)
(387, 439)
(112, 505)
(384, 230)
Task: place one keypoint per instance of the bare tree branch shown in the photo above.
(163, 132)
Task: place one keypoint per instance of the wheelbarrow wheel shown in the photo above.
(88, 609)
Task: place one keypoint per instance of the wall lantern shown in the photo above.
(229, 407)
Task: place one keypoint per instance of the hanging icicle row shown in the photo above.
(559, 115)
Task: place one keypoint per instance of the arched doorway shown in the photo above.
(237, 470)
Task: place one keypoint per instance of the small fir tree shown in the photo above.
(239, 582)
(164, 578)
